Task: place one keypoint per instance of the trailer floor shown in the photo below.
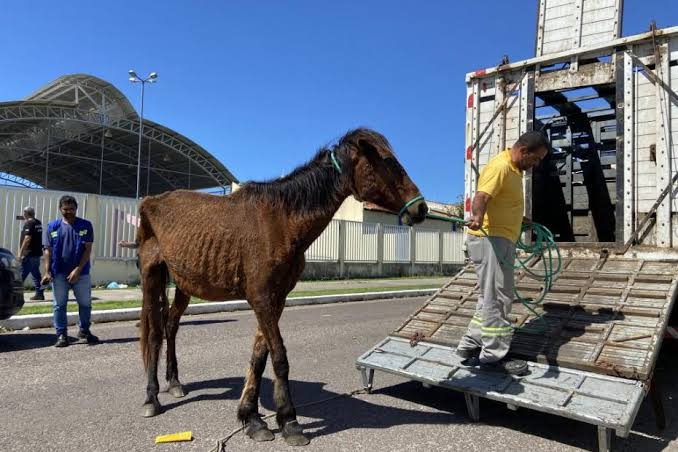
(604, 315)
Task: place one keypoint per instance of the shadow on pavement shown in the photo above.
(11, 342)
(333, 416)
(205, 322)
(378, 411)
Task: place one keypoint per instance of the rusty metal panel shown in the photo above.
(587, 75)
(596, 399)
(602, 315)
(569, 24)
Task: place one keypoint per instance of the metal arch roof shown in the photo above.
(57, 89)
(81, 133)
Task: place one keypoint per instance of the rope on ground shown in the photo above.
(221, 444)
(543, 248)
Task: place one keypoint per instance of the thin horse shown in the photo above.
(255, 251)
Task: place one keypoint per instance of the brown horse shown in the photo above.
(254, 249)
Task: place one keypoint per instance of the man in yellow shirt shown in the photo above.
(498, 207)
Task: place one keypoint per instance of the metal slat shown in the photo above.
(570, 24)
(603, 316)
(596, 399)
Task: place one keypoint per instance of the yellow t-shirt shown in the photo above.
(504, 183)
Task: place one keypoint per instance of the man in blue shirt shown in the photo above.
(68, 246)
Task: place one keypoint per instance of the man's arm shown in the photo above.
(85, 255)
(75, 274)
(24, 246)
(89, 239)
(28, 229)
(47, 253)
(478, 210)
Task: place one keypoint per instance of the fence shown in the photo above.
(396, 243)
(116, 219)
(326, 247)
(45, 203)
(351, 241)
(361, 242)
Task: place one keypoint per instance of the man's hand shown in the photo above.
(74, 275)
(475, 223)
(479, 208)
(46, 279)
(527, 221)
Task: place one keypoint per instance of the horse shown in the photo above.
(250, 244)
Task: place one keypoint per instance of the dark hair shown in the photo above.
(67, 199)
(533, 141)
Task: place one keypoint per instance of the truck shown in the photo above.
(607, 190)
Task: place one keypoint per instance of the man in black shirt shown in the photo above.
(30, 251)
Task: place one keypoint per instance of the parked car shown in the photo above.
(11, 285)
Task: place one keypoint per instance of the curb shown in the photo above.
(116, 315)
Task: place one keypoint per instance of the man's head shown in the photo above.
(529, 150)
(29, 213)
(68, 206)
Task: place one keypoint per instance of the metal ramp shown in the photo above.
(603, 314)
(591, 358)
(611, 403)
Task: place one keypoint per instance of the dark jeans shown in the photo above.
(82, 289)
(31, 264)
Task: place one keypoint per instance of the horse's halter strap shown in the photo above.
(336, 165)
(409, 203)
(334, 161)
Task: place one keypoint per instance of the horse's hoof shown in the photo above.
(151, 409)
(258, 431)
(176, 391)
(262, 435)
(294, 434)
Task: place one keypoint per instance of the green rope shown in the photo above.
(543, 247)
(333, 158)
(408, 204)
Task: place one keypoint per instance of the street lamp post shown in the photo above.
(134, 78)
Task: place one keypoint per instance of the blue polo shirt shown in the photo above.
(68, 244)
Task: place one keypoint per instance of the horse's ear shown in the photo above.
(368, 148)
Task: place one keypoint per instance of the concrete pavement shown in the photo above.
(88, 398)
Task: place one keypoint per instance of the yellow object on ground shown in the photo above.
(174, 437)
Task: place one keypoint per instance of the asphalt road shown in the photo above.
(88, 398)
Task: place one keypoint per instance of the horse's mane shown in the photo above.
(313, 187)
(316, 186)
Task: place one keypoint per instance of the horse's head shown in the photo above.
(378, 177)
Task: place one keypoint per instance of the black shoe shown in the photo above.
(37, 297)
(89, 337)
(516, 367)
(472, 361)
(62, 341)
(466, 354)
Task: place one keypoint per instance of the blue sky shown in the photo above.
(263, 84)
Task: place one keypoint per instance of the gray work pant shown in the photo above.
(490, 328)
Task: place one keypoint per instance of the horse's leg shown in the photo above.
(286, 415)
(175, 311)
(248, 409)
(151, 335)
